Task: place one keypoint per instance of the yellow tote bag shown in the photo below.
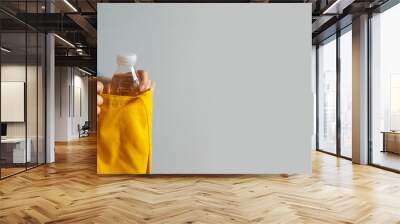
(124, 134)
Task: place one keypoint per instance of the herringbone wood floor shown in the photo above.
(69, 191)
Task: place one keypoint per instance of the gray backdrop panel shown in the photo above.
(233, 82)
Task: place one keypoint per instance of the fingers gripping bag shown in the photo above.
(124, 143)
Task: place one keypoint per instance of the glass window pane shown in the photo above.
(327, 96)
(23, 86)
(346, 93)
(31, 97)
(41, 98)
(385, 93)
(32, 88)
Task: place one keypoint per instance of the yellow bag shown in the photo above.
(124, 134)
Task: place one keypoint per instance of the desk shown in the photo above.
(13, 150)
(391, 141)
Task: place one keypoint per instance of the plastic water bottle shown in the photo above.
(125, 81)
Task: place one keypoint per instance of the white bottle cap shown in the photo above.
(126, 59)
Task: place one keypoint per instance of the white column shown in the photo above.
(50, 92)
(50, 103)
(360, 90)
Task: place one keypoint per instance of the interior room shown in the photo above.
(53, 100)
(22, 100)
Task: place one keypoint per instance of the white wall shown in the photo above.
(70, 83)
(80, 103)
(14, 72)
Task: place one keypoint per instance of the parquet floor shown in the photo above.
(69, 191)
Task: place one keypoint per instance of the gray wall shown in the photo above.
(233, 82)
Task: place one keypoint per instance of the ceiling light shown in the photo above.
(70, 5)
(84, 71)
(65, 41)
(5, 50)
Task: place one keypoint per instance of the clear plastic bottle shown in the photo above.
(125, 81)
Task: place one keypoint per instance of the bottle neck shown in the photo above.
(124, 68)
(128, 69)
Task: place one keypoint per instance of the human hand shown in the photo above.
(145, 84)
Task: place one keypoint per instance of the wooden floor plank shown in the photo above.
(70, 191)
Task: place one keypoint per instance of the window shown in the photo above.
(346, 93)
(22, 66)
(327, 96)
(385, 89)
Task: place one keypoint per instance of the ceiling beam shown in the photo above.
(82, 61)
(83, 23)
(337, 7)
